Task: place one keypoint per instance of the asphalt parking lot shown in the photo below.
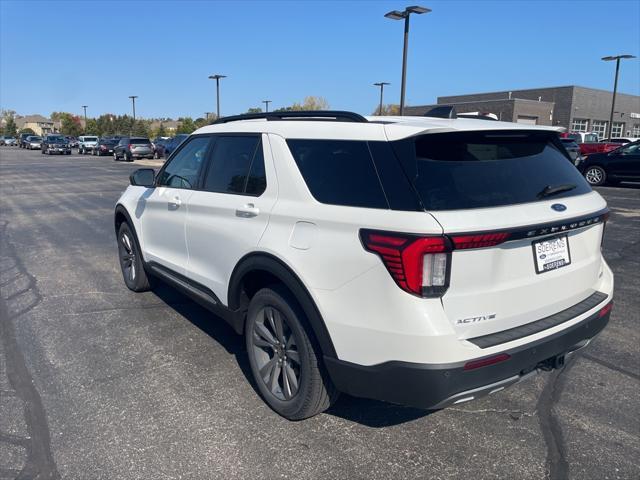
(97, 382)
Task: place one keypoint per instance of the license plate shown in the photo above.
(110, 151)
(551, 253)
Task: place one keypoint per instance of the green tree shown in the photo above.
(141, 128)
(254, 110)
(10, 127)
(91, 128)
(70, 124)
(186, 125)
(161, 132)
(201, 122)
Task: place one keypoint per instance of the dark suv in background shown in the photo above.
(55, 144)
(129, 148)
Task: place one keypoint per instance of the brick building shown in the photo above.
(576, 108)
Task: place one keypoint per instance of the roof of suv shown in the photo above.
(375, 128)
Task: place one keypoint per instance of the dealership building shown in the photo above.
(578, 109)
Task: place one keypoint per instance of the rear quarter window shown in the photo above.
(339, 172)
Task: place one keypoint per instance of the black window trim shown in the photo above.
(209, 159)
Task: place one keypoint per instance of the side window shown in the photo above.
(257, 179)
(231, 162)
(339, 172)
(183, 169)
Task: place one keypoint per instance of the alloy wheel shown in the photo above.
(128, 257)
(276, 353)
(594, 176)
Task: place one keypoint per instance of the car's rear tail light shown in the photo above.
(130, 146)
(606, 309)
(419, 265)
(485, 362)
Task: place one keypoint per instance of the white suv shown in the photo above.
(420, 261)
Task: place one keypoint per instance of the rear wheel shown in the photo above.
(115, 156)
(284, 356)
(595, 175)
(131, 264)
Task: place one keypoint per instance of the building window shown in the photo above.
(636, 130)
(617, 129)
(599, 127)
(579, 125)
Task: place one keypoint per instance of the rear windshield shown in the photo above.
(56, 140)
(90, 139)
(488, 169)
(139, 141)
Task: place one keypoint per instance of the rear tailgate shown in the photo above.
(496, 288)
(525, 226)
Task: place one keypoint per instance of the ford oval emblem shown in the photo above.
(558, 207)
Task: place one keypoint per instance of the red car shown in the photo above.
(589, 143)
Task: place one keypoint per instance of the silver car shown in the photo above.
(33, 142)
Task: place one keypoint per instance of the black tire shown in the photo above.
(115, 156)
(595, 175)
(43, 152)
(131, 264)
(314, 391)
(128, 158)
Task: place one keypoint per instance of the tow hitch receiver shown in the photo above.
(552, 363)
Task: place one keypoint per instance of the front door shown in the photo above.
(164, 210)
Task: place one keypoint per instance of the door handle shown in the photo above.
(175, 203)
(247, 211)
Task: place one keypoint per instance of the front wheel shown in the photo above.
(285, 358)
(131, 263)
(595, 175)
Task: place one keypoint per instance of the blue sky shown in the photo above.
(59, 55)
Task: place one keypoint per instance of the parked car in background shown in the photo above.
(8, 140)
(73, 141)
(588, 148)
(105, 146)
(159, 146)
(33, 142)
(174, 143)
(22, 139)
(86, 143)
(581, 137)
(622, 164)
(129, 148)
(622, 141)
(573, 149)
(55, 143)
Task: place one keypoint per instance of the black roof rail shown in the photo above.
(323, 115)
(444, 111)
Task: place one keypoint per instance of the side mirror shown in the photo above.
(143, 177)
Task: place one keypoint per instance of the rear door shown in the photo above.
(164, 208)
(625, 162)
(228, 215)
(525, 226)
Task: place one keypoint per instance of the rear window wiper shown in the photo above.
(553, 189)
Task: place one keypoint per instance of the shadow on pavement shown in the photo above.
(371, 413)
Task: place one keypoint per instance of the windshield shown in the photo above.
(90, 139)
(56, 140)
(34, 139)
(486, 169)
(139, 141)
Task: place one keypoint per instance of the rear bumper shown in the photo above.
(432, 386)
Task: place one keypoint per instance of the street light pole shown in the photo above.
(266, 104)
(85, 116)
(217, 78)
(381, 85)
(397, 15)
(133, 104)
(615, 87)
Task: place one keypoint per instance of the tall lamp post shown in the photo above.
(85, 116)
(381, 85)
(398, 15)
(266, 105)
(615, 86)
(133, 104)
(217, 78)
